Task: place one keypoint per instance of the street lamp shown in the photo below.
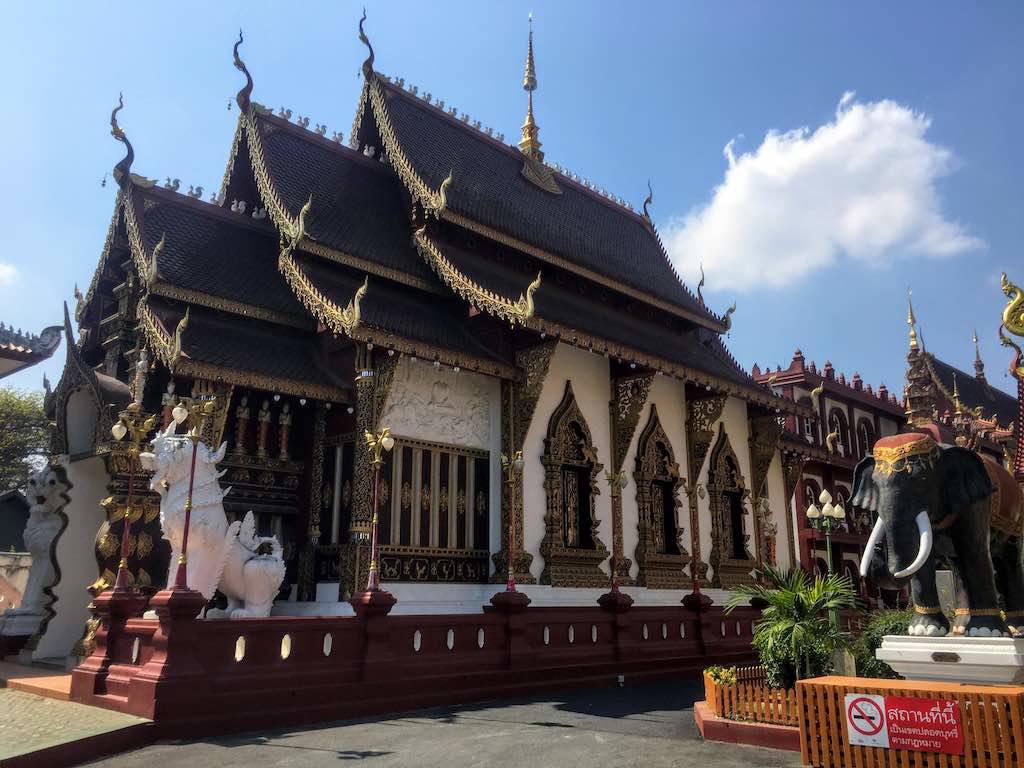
(512, 468)
(377, 444)
(179, 413)
(825, 519)
(132, 425)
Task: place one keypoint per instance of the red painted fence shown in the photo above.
(195, 676)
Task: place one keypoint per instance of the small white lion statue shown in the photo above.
(47, 494)
(246, 568)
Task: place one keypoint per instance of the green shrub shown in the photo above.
(721, 675)
(870, 639)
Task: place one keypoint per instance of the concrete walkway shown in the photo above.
(649, 726)
(30, 724)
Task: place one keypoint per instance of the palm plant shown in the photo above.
(794, 637)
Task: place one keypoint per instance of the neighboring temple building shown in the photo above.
(848, 417)
(972, 411)
(473, 298)
(19, 350)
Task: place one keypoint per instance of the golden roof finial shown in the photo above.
(530, 142)
(911, 320)
(956, 397)
(979, 364)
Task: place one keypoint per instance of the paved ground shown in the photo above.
(649, 726)
(29, 722)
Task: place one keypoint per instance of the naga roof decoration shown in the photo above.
(122, 171)
(19, 350)
(973, 393)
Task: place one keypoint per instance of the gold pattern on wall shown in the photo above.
(765, 432)
(701, 415)
(571, 547)
(792, 469)
(730, 560)
(306, 576)
(660, 555)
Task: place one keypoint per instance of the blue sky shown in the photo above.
(816, 232)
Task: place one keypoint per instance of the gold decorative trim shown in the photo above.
(926, 610)
(372, 267)
(232, 157)
(163, 346)
(323, 309)
(268, 192)
(417, 187)
(104, 255)
(512, 311)
(726, 476)
(482, 229)
(1013, 315)
(199, 298)
(901, 458)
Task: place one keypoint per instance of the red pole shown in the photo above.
(373, 583)
(180, 581)
(122, 569)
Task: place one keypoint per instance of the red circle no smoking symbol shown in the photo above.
(865, 716)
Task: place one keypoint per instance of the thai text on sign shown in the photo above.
(902, 722)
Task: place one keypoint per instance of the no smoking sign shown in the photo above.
(865, 719)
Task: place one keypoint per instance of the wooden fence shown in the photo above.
(751, 699)
(992, 719)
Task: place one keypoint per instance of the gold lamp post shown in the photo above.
(131, 424)
(377, 444)
(825, 519)
(199, 410)
(512, 468)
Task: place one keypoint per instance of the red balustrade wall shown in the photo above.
(194, 676)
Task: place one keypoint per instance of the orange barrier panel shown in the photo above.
(991, 716)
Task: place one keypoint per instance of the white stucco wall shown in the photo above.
(75, 557)
(590, 383)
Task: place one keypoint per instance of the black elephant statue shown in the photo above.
(942, 506)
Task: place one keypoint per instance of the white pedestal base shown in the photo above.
(17, 623)
(955, 659)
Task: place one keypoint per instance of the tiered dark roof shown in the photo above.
(19, 350)
(974, 392)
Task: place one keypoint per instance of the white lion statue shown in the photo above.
(47, 494)
(246, 568)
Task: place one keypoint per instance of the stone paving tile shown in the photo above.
(29, 722)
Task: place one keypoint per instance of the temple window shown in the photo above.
(659, 553)
(571, 547)
(728, 494)
(865, 437)
(837, 425)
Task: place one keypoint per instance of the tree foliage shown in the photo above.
(870, 640)
(24, 436)
(794, 637)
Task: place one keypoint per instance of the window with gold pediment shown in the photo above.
(571, 548)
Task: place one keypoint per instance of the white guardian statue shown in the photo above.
(246, 568)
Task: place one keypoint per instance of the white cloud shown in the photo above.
(8, 274)
(861, 186)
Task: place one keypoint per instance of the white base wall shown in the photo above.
(437, 599)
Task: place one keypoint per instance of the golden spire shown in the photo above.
(911, 320)
(979, 364)
(956, 397)
(530, 143)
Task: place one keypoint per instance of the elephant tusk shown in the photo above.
(924, 526)
(877, 534)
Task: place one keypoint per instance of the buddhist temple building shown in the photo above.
(428, 276)
(848, 416)
(19, 350)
